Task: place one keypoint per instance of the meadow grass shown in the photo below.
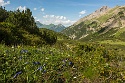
(61, 63)
(113, 42)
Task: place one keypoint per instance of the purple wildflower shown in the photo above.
(20, 58)
(36, 63)
(24, 51)
(44, 71)
(17, 74)
(71, 63)
(40, 68)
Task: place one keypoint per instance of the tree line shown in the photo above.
(19, 27)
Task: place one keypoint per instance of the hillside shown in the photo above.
(57, 28)
(29, 54)
(105, 23)
(19, 28)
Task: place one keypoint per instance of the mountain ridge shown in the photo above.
(57, 28)
(106, 20)
(100, 11)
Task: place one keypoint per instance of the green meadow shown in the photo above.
(62, 63)
(29, 54)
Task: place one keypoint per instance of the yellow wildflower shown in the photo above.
(18, 46)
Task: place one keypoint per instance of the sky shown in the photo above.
(64, 12)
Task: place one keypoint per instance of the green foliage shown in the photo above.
(54, 58)
(75, 63)
(102, 30)
(3, 14)
(104, 18)
(5, 33)
(23, 20)
(19, 27)
(49, 36)
(77, 30)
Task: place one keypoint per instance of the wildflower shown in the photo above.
(106, 64)
(14, 57)
(71, 63)
(18, 46)
(40, 68)
(44, 64)
(83, 76)
(44, 71)
(20, 58)
(74, 77)
(47, 58)
(36, 63)
(124, 77)
(24, 51)
(20, 72)
(26, 63)
(12, 47)
(64, 61)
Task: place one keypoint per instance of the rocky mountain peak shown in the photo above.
(105, 21)
(95, 14)
(102, 9)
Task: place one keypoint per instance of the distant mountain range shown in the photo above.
(57, 28)
(103, 24)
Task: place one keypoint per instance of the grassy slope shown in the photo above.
(119, 32)
(82, 28)
(66, 61)
(113, 42)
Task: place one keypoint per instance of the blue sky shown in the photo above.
(65, 12)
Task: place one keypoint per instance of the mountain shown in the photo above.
(57, 28)
(39, 24)
(104, 23)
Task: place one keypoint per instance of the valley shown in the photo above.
(92, 50)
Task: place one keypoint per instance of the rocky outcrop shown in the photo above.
(95, 14)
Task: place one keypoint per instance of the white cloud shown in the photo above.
(64, 17)
(38, 20)
(2, 3)
(48, 19)
(57, 17)
(35, 17)
(80, 15)
(42, 9)
(35, 9)
(21, 8)
(65, 22)
(82, 12)
(61, 17)
(46, 16)
(52, 16)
